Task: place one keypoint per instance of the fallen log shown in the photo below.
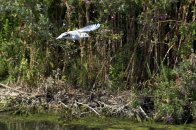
(86, 105)
(19, 91)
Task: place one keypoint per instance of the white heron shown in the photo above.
(79, 33)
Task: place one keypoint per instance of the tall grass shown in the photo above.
(136, 37)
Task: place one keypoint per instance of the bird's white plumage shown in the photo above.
(89, 28)
(79, 33)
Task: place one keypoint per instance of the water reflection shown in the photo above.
(44, 125)
(112, 125)
(3, 126)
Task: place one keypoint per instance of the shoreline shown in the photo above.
(72, 103)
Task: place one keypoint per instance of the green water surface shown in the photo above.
(46, 122)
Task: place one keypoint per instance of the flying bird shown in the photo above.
(79, 33)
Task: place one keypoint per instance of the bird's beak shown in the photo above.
(59, 37)
(63, 36)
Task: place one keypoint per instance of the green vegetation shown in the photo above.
(142, 45)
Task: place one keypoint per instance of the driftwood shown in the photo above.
(66, 106)
(75, 100)
(86, 105)
(12, 89)
(143, 112)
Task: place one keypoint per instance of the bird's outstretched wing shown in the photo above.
(89, 28)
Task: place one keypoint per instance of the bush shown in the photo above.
(174, 93)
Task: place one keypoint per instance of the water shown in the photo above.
(10, 123)
(43, 125)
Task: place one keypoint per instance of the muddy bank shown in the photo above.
(73, 103)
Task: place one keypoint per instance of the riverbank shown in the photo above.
(70, 103)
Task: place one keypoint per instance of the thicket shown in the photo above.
(144, 45)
